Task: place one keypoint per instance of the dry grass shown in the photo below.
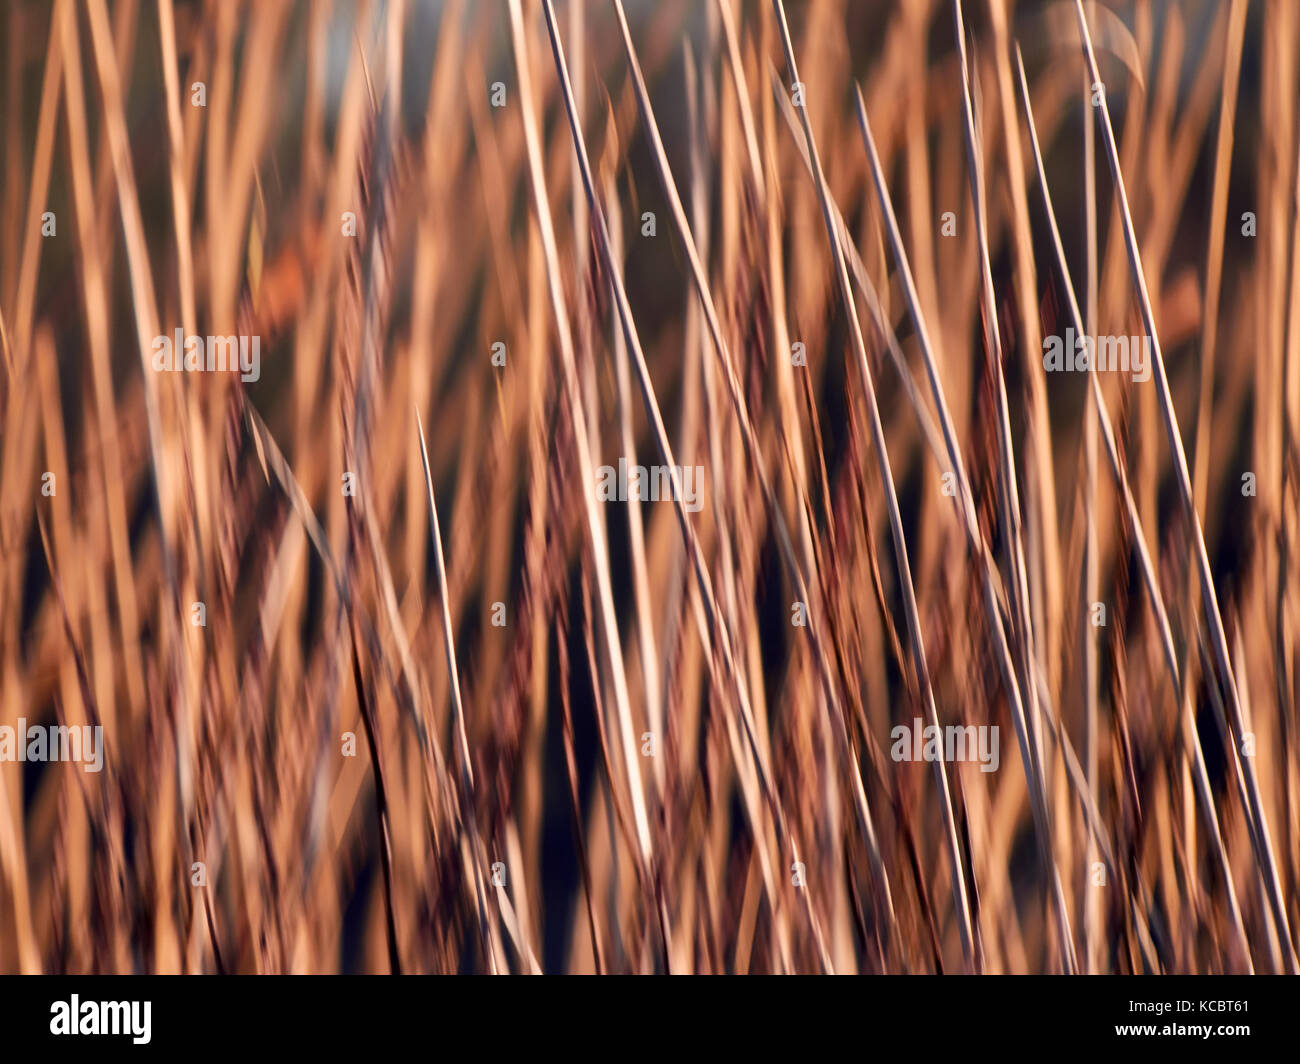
(945, 509)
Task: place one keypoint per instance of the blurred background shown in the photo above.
(552, 733)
